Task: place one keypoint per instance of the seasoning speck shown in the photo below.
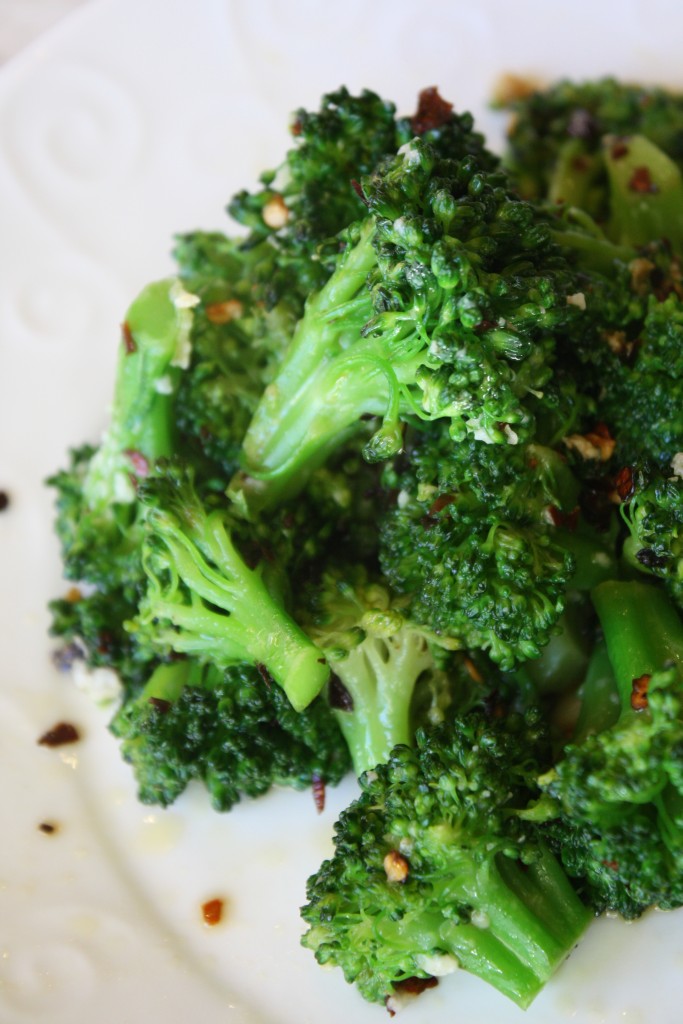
(639, 689)
(48, 828)
(4, 500)
(318, 786)
(396, 866)
(641, 181)
(212, 912)
(59, 735)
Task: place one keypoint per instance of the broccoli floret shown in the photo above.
(230, 729)
(204, 600)
(97, 511)
(96, 495)
(441, 305)
(434, 869)
(555, 140)
(618, 790)
(478, 543)
(383, 665)
(315, 194)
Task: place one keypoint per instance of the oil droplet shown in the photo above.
(159, 833)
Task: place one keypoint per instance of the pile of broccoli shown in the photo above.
(393, 485)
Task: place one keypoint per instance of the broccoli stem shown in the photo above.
(380, 676)
(231, 616)
(643, 633)
(646, 192)
(332, 320)
(153, 351)
(599, 708)
(525, 920)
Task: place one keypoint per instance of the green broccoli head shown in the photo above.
(232, 730)
(315, 193)
(434, 869)
(474, 541)
(618, 790)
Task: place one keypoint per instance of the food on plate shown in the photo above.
(393, 485)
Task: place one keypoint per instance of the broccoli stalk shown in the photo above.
(434, 869)
(203, 599)
(154, 350)
(381, 664)
(646, 192)
(378, 680)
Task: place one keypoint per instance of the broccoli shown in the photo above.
(434, 869)
(486, 544)
(617, 792)
(96, 506)
(555, 142)
(441, 304)
(314, 194)
(230, 729)
(97, 518)
(653, 512)
(204, 600)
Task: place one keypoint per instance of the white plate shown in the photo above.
(134, 119)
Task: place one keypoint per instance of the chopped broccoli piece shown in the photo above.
(232, 730)
(203, 599)
(619, 788)
(476, 887)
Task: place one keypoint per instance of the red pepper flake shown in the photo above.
(140, 463)
(4, 500)
(212, 912)
(619, 150)
(580, 164)
(358, 189)
(318, 786)
(160, 705)
(338, 695)
(484, 325)
(641, 181)
(569, 520)
(409, 987)
(128, 339)
(59, 735)
(48, 828)
(432, 112)
(613, 865)
(625, 484)
(105, 641)
(472, 671)
(264, 673)
(639, 688)
(297, 127)
(224, 312)
(440, 503)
